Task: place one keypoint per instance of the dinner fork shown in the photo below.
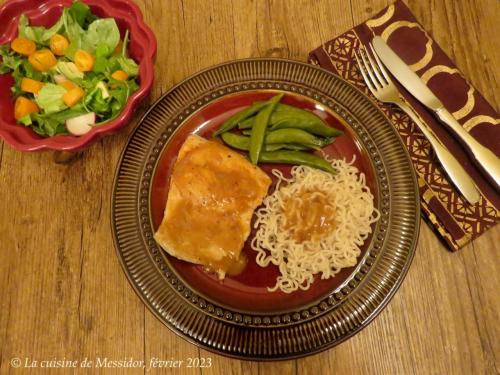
(381, 86)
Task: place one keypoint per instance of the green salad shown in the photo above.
(72, 76)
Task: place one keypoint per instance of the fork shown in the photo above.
(381, 86)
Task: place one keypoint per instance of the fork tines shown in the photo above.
(371, 69)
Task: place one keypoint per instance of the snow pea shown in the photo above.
(246, 131)
(296, 157)
(286, 116)
(243, 143)
(247, 123)
(260, 126)
(237, 141)
(240, 116)
(290, 135)
(287, 146)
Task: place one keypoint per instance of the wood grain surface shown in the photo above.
(63, 294)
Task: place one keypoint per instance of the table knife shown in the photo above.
(412, 82)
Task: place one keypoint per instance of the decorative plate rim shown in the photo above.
(246, 326)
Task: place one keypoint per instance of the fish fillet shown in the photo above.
(213, 193)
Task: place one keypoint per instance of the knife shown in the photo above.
(412, 82)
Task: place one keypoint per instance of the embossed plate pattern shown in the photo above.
(273, 335)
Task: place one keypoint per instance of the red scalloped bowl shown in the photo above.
(142, 49)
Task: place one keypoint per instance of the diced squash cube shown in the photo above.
(23, 46)
(84, 61)
(42, 60)
(120, 75)
(31, 85)
(67, 84)
(23, 107)
(73, 96)
(58, 44)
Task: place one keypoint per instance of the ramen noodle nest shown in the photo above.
(314, 222)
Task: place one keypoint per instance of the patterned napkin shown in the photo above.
(455, 220)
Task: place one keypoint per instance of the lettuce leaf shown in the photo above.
(25, 69)
(10, 61)
(30, 72)
(53, 124)
(128, 65)
(19, 67)
(101, 61)
(50, 98)
(74, 32)
(81, 13)
(72, 22)
(120, 94)
(47, 126)
(38, 34)
(94, 102)
(69, 70)
(103, 31)
(26, 120)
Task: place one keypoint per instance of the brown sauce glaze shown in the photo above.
(212, 196)
(308, 215)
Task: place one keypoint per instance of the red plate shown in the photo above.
(248, 290)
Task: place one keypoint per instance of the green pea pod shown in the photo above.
(247, 123)
(243, 143)
(237, 141)
(240, 116)
(286, 116)
(306, 121)
(293, 136)
(271, 155)
(246, 132)
(260, 127)
(296, 158)
(286, 146)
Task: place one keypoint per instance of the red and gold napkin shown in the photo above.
(455, 220)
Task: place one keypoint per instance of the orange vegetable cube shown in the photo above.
(23, 107)
(23, 46)
(120, 75)
(42, 60)
(84, 61)
(73, 96)
(31, 85)
(68, 85)
(58, 44)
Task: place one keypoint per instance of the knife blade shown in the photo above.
(412, 82)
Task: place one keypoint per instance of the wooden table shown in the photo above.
(63, 294)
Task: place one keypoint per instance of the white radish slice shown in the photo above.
(81, 125)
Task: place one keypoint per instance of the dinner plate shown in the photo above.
(239, 316)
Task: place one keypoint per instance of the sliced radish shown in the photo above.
(81, 124)
(59, 78)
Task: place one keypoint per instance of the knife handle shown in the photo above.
(451, 165)
(485, 157)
